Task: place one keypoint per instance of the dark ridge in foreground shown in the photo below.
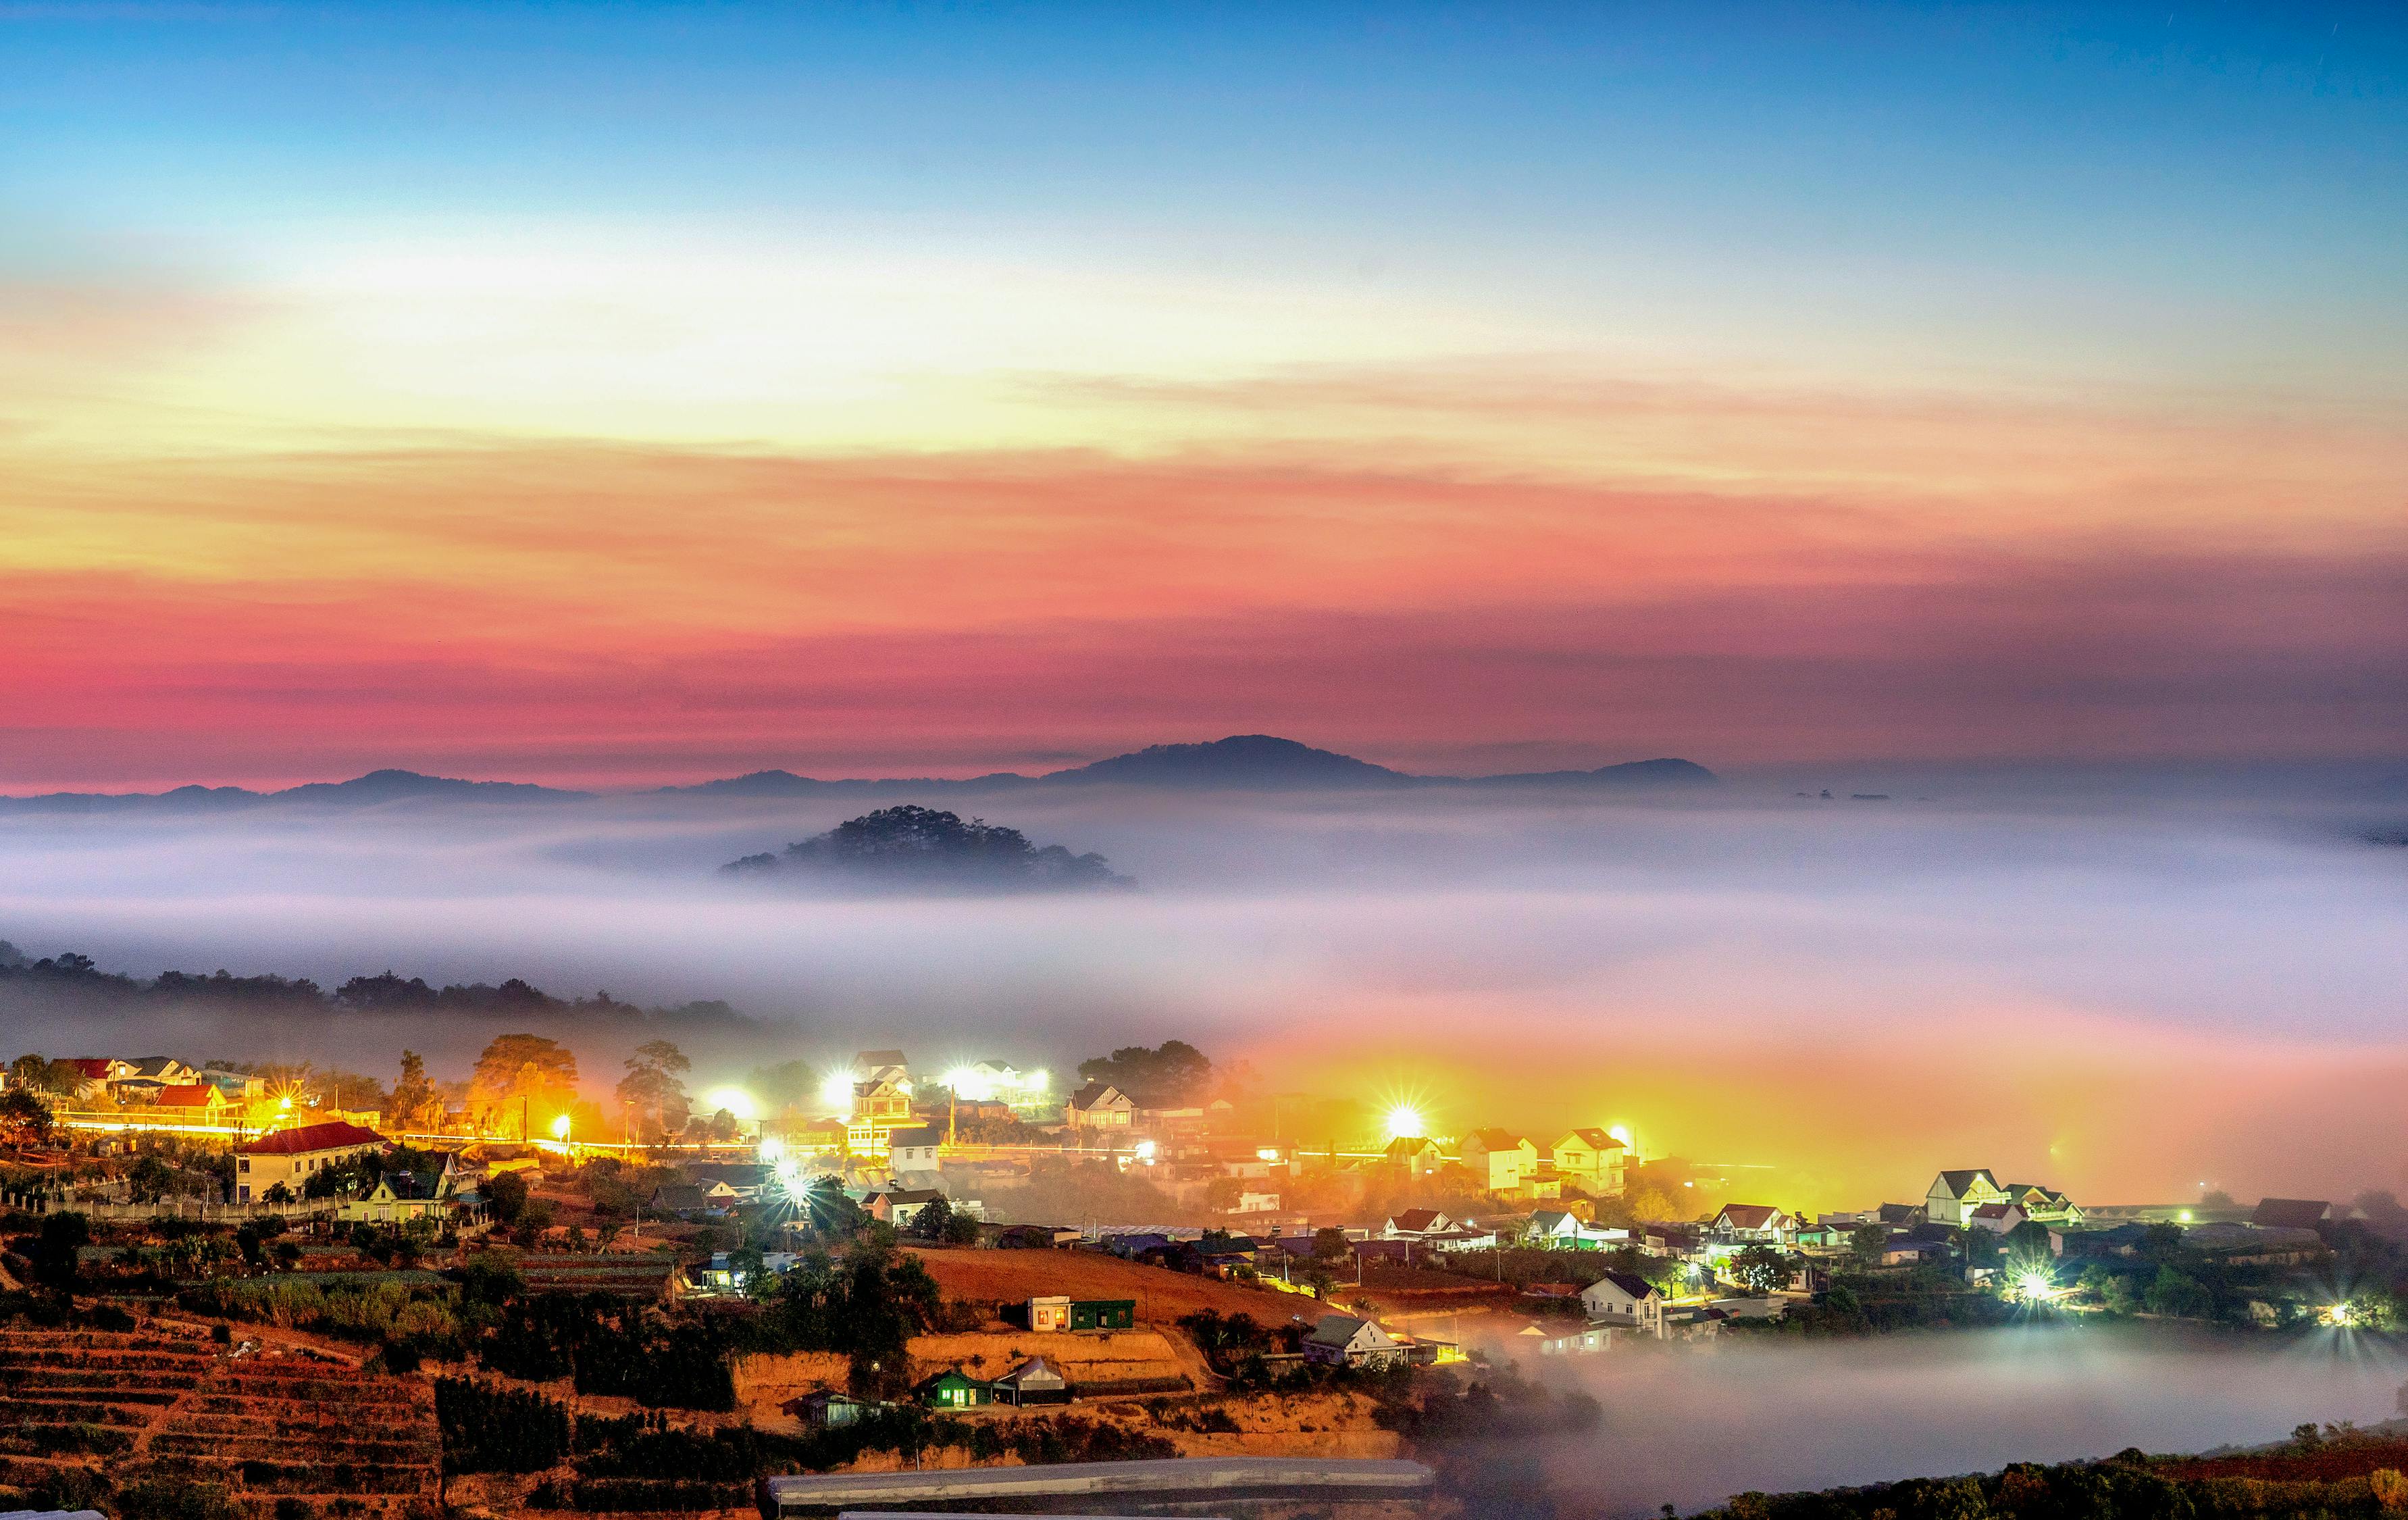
(918, 848)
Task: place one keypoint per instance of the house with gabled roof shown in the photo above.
(1591, 1160)
(1560, 1228)
(1415, 1156)
(1952, 1195)
(1033, 1382)
(1625, 1300)
(1754, 1224)
(1500, 1160)
(1416, 1224)
(2045, 1205)
(1997, 1218)
(1099, 1105)
(1346, 1340)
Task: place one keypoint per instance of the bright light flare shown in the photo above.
(2036, 1286)
(735, 1100)
(970, 1084)
(1145, 1152)
(835, 1092)
(560, 1127)
(2341, 1316)
(1404, 1122)
(772, 1147)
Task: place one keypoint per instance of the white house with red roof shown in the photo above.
(291, 1155)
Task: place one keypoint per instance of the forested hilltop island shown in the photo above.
(911, 846)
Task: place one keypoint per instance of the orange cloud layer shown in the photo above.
(1854, 579)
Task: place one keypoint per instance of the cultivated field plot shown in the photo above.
(158, 1403)
(623, 1275)
(1162, 1296)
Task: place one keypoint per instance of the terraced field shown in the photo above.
(159, 1402)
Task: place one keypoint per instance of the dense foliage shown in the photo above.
(612, 1347)
(75, 981)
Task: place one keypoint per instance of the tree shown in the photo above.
(1175, 1074)
(23, 1116)
(149, 1179)
(517, 1073)
(505, 1197)
(1329, 1243)
(1759, 1269)
(960, 1230)
(56, 1250)
(830, 1212)
(353, 1090)
(1222, 1193)
(650, 1089)
(1867, 1244)
(414, 1104)
(932, 1219)
(2177, 1294)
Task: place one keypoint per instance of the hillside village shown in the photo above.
(961, 1264)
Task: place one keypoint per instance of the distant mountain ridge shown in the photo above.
(375, 788)
(1260, 761)
(1246, 762)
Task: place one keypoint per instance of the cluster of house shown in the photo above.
(176, 1090)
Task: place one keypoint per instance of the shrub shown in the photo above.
(165, 1499)
(490, 1430)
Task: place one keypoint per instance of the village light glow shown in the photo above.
(733, 1100)
(2036, 1286)
(1404, 1122)
(560, 1127)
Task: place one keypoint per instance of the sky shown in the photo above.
(611, 395)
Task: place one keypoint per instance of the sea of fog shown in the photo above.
(2135, 994)
(1691, 1428)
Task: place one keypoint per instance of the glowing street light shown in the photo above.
(2037, 1288)
(560, 1127)
(1404, 1122)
